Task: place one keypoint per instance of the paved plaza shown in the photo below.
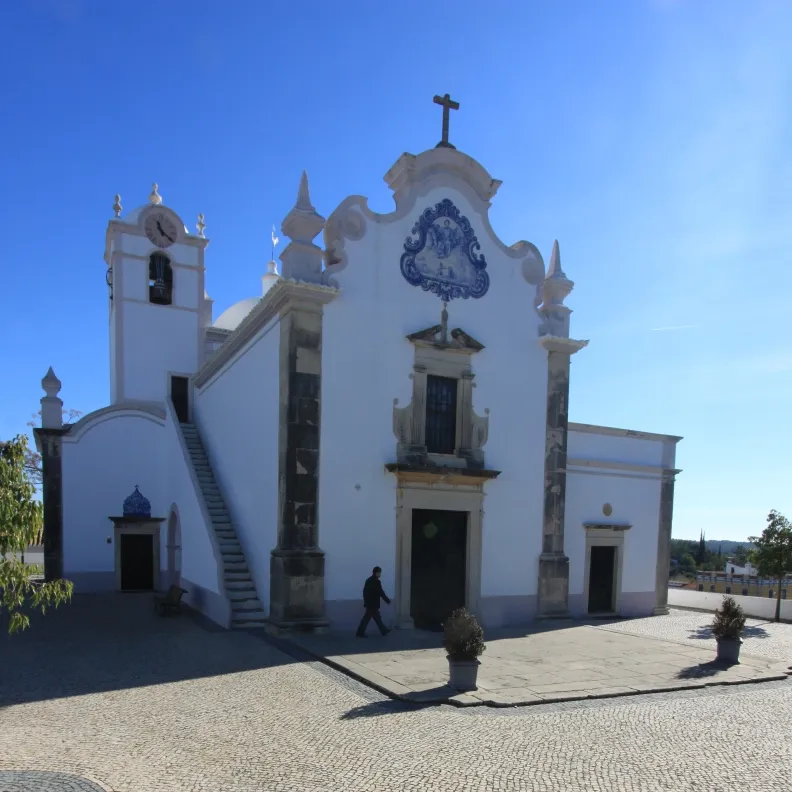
(554, 660)
(104, 695)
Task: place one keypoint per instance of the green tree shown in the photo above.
(772, 554)
(687, 564)
(20, 523)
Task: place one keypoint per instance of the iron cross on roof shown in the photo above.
(447, 104)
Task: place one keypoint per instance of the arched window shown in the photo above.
(160, 279)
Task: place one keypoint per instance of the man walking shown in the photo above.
(372, 594)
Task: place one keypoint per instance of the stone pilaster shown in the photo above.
(297, 563)
(664, 541)
(553, 590)
(48, 441)
(49, 444)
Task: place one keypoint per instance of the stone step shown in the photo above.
(229, 545)
(240, 586)
(235, 567)
(232, 556)
(242, 594)
(245, 605)
(257, 619)
(237, 577)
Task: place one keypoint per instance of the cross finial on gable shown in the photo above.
(447, 103)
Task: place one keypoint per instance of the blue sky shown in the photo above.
(651, 137)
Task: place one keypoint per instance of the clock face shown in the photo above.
(160, 229)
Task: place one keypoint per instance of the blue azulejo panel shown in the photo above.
(442, 255)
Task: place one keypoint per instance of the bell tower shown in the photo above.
(157, 301)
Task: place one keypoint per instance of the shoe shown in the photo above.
(385, 633)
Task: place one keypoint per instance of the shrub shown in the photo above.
(729, 619)
(463, 637)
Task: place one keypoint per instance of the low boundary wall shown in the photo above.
(757, 607)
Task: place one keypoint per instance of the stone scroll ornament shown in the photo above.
(444, 258)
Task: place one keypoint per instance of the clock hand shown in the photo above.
(162, 231)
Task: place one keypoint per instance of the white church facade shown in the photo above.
(396, 396)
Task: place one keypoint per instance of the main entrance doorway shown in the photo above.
(137, 562)
(439, 566)
(602, 575)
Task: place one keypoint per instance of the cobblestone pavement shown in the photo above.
(760, 638)
(166, 706)
(32, 781)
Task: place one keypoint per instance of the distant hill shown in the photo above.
(726, 546)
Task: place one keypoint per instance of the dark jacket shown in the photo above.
(372, 593)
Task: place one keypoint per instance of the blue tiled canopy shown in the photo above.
(136, 505)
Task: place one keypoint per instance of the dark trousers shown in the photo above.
(371, 613)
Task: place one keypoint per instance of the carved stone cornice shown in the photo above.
(458, 340)
(437, 473)
(607, 526)
(567, 346)
(274, 303)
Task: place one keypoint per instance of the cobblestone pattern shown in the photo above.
(760, 638)
(192, 711)
(31, 781)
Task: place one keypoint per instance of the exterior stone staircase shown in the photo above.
(246, 610)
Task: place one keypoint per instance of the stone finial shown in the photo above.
(155, 197)
(51, 405)
(117, 206)
(554, 269)
(200, 225)
(557, 286)
(302, 259)
(51, 384)
(303, 195)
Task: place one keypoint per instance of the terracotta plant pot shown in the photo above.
(729, 650)
(462, 674)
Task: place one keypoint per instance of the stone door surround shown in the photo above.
(605, 535)
(415, 493)
(137, 525)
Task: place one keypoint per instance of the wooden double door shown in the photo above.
(438, 566)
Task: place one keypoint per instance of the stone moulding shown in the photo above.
(558, 344)
(411, 178)
(607, 526)
(268, 308)
(437, 473)
(615, 432)
(151, 411)
(438, 352)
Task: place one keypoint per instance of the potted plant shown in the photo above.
(726, 627)
(463, 640)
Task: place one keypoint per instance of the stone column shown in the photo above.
(664, 541)
(297, 563)
(553, 591)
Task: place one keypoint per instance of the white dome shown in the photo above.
(231, 317)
